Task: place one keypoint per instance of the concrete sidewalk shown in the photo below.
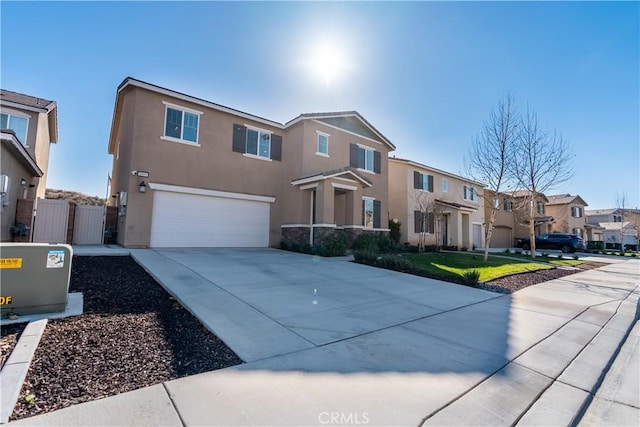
(385, 348)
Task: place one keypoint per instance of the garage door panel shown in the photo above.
(187, 220)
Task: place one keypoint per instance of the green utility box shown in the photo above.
(34, 278)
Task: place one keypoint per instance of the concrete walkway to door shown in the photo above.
(332, 342)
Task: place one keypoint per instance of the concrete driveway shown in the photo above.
(329, 342)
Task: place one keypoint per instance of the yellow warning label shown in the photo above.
(6, 300)
(10, 262)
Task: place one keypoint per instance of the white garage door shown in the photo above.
(191, 220)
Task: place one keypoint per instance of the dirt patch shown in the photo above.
(132, 334)
(9, 336)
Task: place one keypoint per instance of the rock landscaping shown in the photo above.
(132, 334)
(9, 336)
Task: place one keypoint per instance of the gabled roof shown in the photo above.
(9, 139)
(32, 103)
(432, 169)
(331, 174)
(565, 199)
(344, 120)
(616, 225)
(347, 115)
(588, 212)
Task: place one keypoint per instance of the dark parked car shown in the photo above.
(564, 242)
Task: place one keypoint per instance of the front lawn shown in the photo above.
(551, 259)
(454, 265)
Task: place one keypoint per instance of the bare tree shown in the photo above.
(542, 161)
(491, 156)
(429, 212)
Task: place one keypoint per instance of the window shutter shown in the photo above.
(417, 181)
(353, 155)
(361, 156)
(377, 206)
(417, 221)
(239, 138)
(276, 147)
(377, 162)
(430, 183)
(430, 222)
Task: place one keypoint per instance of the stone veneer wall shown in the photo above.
(301, 234)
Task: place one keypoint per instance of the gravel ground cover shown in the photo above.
(132, 334)
(9, 335)
(513, 283)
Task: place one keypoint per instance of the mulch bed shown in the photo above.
(9, 335)
(515, 282)
(132, 334)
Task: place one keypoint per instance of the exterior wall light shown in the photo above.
(142, 187)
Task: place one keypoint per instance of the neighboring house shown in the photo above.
(189, 172)
(614, 224)
(445, 209)
(568, 214)
(28, 126)
(512, 218)
(504, 223)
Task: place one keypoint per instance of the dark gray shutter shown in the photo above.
(276, 147)
(417, 180)
(239, 138)
(377, 162)
(430, 182)
(363, 207)
(353, 155)
(417, 221)
(431, 219)
(361, 156)
(377, 207)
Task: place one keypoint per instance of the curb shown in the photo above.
(15, 369)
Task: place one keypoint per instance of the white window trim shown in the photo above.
(180, 141)
(253, 156)
(366, 147)
(11, 112)
(168, 105)
(344, 186)
(318, 152)
(118, 151)
(365, 171)
(474, 193)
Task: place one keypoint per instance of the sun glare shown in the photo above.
(328, 63)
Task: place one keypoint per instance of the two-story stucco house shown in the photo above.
(568, 214)
(188, 172)
(442, 208)
(613, 226)
(28, 126)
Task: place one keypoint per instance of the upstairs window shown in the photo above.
(576, 212)
(322, 146)
(470, 194)
(181, 124)
(617, 218)
(17, 123)
(258, 143)
(508, 205)
(496, 203)
(423, 181)
(365, 158)
(445, 185)
(540, 208)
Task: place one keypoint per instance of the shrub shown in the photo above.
(393, 262)
(471, 278)
(284, 245)
(595, 245)
(576, 257)
(377, 243)
(431, 248)
(463, 249)
(450, 248)
(518, 252)
(333, 245)
(413, 249)
(394, 233)
(545, 254)
(507, 251)
(365, 257)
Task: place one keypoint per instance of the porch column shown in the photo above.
(325, 195)
(353, 207)
(455, 232)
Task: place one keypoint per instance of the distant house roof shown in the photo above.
(342, 119)
(524, 193)
(588, 212)
(616, 225)
(430, 168)
(564, 199)
(32, 103)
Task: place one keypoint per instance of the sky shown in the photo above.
(425, 74)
